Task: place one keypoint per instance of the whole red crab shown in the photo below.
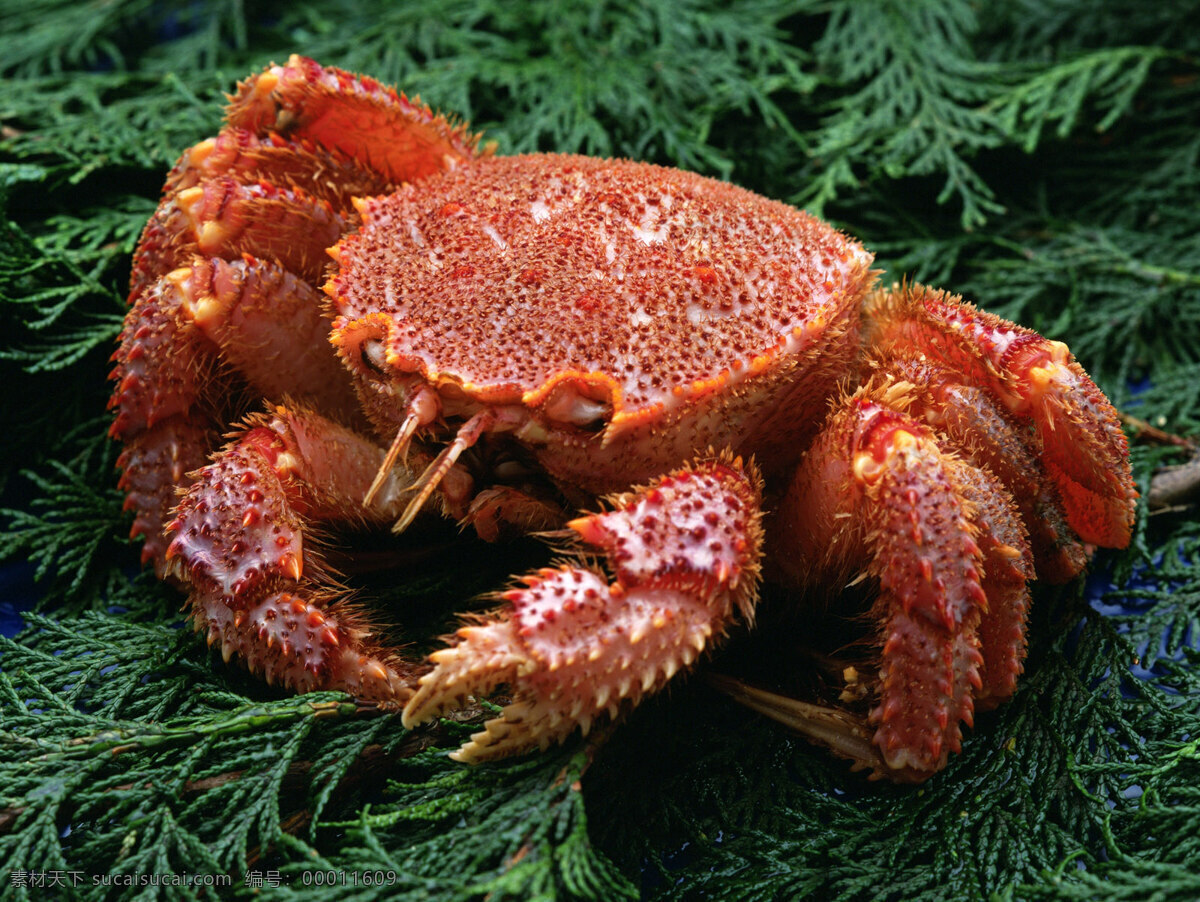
(511, 338)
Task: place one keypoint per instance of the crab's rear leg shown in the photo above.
(573, 645)
(351, 114)
(877, 496)
(1082, 445)
(241, 538)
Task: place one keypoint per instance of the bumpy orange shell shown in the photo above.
(641, 286)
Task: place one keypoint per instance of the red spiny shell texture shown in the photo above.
(513, 272)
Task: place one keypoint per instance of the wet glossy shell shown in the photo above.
(648, 284)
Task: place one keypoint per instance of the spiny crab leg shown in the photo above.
(976, 424)
(876, 492)
(156, 369)
(572, 646)
(264, 324)
(353, 115)
(1007, 568)
(1083, 446)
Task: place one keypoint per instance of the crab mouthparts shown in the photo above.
(468, 434)
(423, 408)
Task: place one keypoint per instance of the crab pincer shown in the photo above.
(258, 586)
(573, 646)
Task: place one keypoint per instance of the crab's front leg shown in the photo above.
(257, 587)
(877, 497)
(573, 644)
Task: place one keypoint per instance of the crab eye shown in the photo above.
(374, 357)
(569, 405)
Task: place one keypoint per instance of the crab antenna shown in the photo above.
(422, 410)
(467, 436)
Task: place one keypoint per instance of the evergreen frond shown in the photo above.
(210, 782)
(67, 532)
(529, 814)
(84, 122)
(61, 284)
(47, 37)
(1109, 79)
(916, 107)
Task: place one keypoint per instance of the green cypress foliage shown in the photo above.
(1040, 156)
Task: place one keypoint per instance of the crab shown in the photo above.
(693, 387)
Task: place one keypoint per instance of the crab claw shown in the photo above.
(572, 646)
